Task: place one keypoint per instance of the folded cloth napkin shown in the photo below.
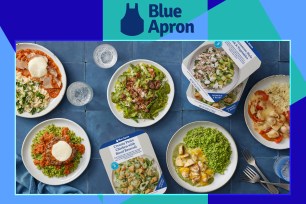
(26, 184)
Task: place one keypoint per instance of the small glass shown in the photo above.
(105, 56)
(79, 93)
(282, 168)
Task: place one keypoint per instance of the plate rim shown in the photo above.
(233, 148)
(61, 182)
(64, 82)
(167, 108)
(246, 115)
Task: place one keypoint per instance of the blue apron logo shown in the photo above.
(132, 24)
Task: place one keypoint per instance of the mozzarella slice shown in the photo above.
(38, 66)
(61, 151)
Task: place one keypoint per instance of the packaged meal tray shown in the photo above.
(132, 166)
(225, 107)
(216, 68)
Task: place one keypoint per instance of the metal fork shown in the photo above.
(251, 161)
(253, 177)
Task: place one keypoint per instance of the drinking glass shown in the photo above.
(105, 56)
(79, 93)
(282, 168)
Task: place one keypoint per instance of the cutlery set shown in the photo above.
(251, 176)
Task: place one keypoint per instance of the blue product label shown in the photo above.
(114, 165)
(253, 49)
(218, 44)
(232, 108)
(217, 96)
(121, 139)
(161, 183)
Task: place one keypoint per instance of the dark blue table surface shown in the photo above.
(102, 126)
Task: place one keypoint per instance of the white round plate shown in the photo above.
(219, 180)
(55, 101)
(261, 85)
(235, 78)
(28, 161)
(141, 122)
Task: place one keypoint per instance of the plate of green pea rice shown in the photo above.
(218, 148)
(56, 151)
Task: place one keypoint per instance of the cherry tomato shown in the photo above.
(287, 115)
(265, 131)
(253, 116)
(264, 135)
(278, 139)
(263, 95)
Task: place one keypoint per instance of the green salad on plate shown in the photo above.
(141, 92)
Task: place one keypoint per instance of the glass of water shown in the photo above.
(282, 168)
(105, 56)
(79, 93)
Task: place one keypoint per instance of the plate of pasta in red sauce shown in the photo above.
(40, 80)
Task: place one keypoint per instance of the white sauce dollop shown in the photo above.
(38, 66)
(61, 151)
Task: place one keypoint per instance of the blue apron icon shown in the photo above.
(132, 24)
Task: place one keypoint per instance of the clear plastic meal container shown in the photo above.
(225, 107)
(242, 53)
(132, 166)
